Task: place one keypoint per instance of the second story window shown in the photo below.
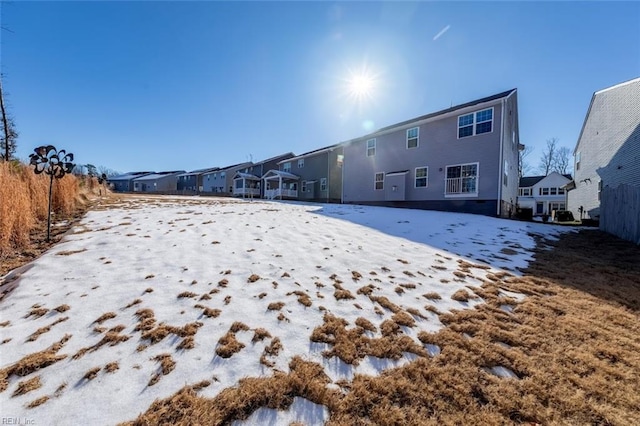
(475, 123)
(301, 163)
(371, 147)
(287, 167)
(412, 137)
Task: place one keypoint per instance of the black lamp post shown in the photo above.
(56, 164)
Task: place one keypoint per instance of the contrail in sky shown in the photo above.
(444, 30)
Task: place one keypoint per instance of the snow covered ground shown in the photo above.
(150, 292)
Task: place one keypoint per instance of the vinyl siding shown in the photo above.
(609, 147)
(438, 148)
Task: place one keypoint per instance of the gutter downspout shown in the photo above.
(328, 166)
(501, 165)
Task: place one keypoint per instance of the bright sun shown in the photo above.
(361, 84)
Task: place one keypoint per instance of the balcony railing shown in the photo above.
(275, 193)
(461, 185)
(255, 192)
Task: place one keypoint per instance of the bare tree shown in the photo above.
(103, 170)
(9, 133)
(548, 157)
(524, 167)
(561, 160)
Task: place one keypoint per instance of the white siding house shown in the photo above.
(543, 194)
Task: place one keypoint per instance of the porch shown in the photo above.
(280, 184)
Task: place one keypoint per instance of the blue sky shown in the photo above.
(186, 85)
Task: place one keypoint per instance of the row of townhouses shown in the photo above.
(463, 159)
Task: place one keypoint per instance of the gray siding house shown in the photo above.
(157, 182)
(462, 159)
(607, 153)
(313, 176)
(192, 181)
(221, 181)
(124, 183)
(248, 183)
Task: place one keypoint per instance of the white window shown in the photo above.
(544, 191)
(422, 177)
(287, 166)
(475, 123)
(379, 181)
(323, 184)
(371, 147)
(599, 190)
(304, 186)
(556, 206)
(412, 137)
(301, 163)
(560, 191)
(222, 175)
(578, 158)
(525, 192)
(553, 191)
(505, 174)
(462, 179)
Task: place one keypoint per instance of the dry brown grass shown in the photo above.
(37, 312)
(33, 362)
(92, 373)
(167, 364)
(228, 345)
(23, 211)
(260, 334)
(133, 303)
(37, 402)
(573, 344)
(186, 294)
(305, 379)
(303, 298)
(461, 295)
(104, 317)
(27, 386)
(275, 306)
(34, 336)
(253, 278)
(111, 367)
(62, 308)
(111, 338)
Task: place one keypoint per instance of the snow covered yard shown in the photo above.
(155, 294)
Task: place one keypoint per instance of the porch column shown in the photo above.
(280, 186)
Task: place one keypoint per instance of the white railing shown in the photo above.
(275, 193)
(247, 191)
(461, 185)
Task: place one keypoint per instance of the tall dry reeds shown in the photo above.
(24, 202)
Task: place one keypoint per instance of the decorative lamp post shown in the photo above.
(56, 164)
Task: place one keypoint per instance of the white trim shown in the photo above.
(415, 177)
(462, 194)
(301, 163)
(635, 80)
(501, 164)
(417, 137)
(375, 181)
(366, 146)
(475, 121)
(404, 172)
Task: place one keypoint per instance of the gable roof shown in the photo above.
(593, 98)
(288, 155)
(199, 171)
(281, 173)
(437, 113)
(129, 176)
(310, 153)
(529, 181)
(159, 175)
